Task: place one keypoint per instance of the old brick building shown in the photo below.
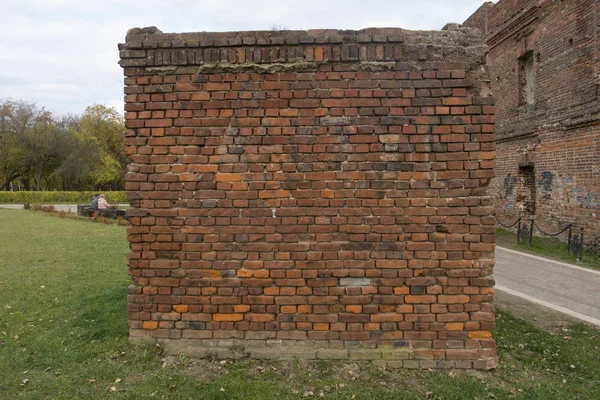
(544, 61)
(318, 194)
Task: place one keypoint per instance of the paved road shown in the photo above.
(570, 289)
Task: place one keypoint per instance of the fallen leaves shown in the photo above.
(113, 388)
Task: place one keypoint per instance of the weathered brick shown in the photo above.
(180, 308)
(396, 354)
(332, 354)
(150, 325)
(228, 317)
(364, 354)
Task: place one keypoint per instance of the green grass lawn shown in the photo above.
(548, 247)
(63, 335)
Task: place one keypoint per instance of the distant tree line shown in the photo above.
(41, 151)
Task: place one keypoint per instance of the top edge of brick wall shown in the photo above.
(152, 37)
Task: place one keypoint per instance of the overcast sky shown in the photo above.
(63, 54)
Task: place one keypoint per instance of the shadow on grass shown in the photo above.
(105, 315)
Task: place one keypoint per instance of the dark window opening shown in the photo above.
(526, 190)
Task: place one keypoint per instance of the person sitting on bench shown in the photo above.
(95, 201)
(102, 203)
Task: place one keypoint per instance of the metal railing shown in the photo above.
(576, 244)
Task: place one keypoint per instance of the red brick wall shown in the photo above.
(319, 194)
(505, 13)
(560, 133)
(480, 18)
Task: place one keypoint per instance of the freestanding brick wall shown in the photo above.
(319, 194)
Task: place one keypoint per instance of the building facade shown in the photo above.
(544, 61)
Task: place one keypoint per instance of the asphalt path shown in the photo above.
(564, 287)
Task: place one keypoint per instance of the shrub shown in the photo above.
(59, 197)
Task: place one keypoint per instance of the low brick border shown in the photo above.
(401, 354)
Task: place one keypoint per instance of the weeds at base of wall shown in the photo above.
(51, 210)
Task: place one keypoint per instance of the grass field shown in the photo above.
(63, 335)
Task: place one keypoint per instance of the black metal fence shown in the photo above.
(576, 241)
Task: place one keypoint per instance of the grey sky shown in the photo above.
(63, 54)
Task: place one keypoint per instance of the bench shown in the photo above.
(85, 210)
